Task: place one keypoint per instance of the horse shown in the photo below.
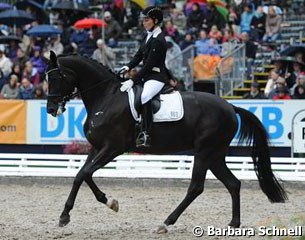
(208, 126)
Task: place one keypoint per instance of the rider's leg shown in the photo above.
(150, 89)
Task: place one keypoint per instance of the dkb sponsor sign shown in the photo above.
(42, 128)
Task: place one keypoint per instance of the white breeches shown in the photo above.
(150, 89)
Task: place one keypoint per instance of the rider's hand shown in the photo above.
(123, 70)
(126, 86)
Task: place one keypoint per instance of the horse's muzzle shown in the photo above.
(52, 108)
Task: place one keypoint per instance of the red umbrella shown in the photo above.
(89, 23)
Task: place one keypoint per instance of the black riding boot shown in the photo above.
(143, 139)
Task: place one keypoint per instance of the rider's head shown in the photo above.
(152, 17)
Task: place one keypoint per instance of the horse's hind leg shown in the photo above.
(195, 189)
(223, 173)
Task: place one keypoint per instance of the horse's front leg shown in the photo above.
(65, 216)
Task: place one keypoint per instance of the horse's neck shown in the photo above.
(99, 93)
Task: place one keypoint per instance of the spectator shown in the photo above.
(292, 77)
(171, 31)
(215, 33)
(26, 89)
(38, 62)
(270, 85)
(299, 81)
(230, 42)
(258, 24)
(282, 93)
(55, 45)
(38, 92)
(273, 25)
(5, 64)
(250, 53)
(16, 70)
(21, 58)
(187, 41)
(254, 93)
(195, 19)
(280, 82)
(11, 89)
(212, 17)
(31, 73)
(77, 38)
(299, 56)
(299, 92)
(202, 44)
(246, 18)
(104, 54)
(112, 31)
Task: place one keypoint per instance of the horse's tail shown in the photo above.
(253, 131)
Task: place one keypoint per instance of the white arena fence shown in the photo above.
(139, 166)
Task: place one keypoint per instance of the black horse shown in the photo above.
(208, 126)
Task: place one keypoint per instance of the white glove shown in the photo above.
(126, 86)
(123, 70)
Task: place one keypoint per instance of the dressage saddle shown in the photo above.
(155, 102)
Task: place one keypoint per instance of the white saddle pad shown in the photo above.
(171, 107)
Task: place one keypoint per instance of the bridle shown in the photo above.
(65, 98)
(72, 95)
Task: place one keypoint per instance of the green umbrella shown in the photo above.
(223, 11)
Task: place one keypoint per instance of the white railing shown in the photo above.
(139, 166)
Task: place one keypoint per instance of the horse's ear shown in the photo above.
(53, 57)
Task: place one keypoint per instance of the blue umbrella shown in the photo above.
(15, 17)
(9, 38)
(24, 4)
(4, 6)
(43, 31)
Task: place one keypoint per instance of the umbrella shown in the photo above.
(24, 4)
(220, 6)
(43, 31)
(287, 62)
(8, 39)
(218, 3)
(4, 6)
(89, 23)
(15, 17)
(292, 50)
(144, 3)
(70, 5)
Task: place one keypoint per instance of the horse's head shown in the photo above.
(59, 87)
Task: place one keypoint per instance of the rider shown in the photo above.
(153, 73)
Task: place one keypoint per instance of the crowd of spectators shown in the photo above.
(22, 65)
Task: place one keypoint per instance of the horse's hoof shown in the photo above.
(64, 220)
(162, 229)
(113, 204)
(234, 224)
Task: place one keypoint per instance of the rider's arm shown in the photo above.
(153, 59)
(138, 57)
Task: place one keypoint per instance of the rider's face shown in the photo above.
(148, 23)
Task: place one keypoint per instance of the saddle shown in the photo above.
(167, 106)
(156, 100)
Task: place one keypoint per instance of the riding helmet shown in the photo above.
(154, 13)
